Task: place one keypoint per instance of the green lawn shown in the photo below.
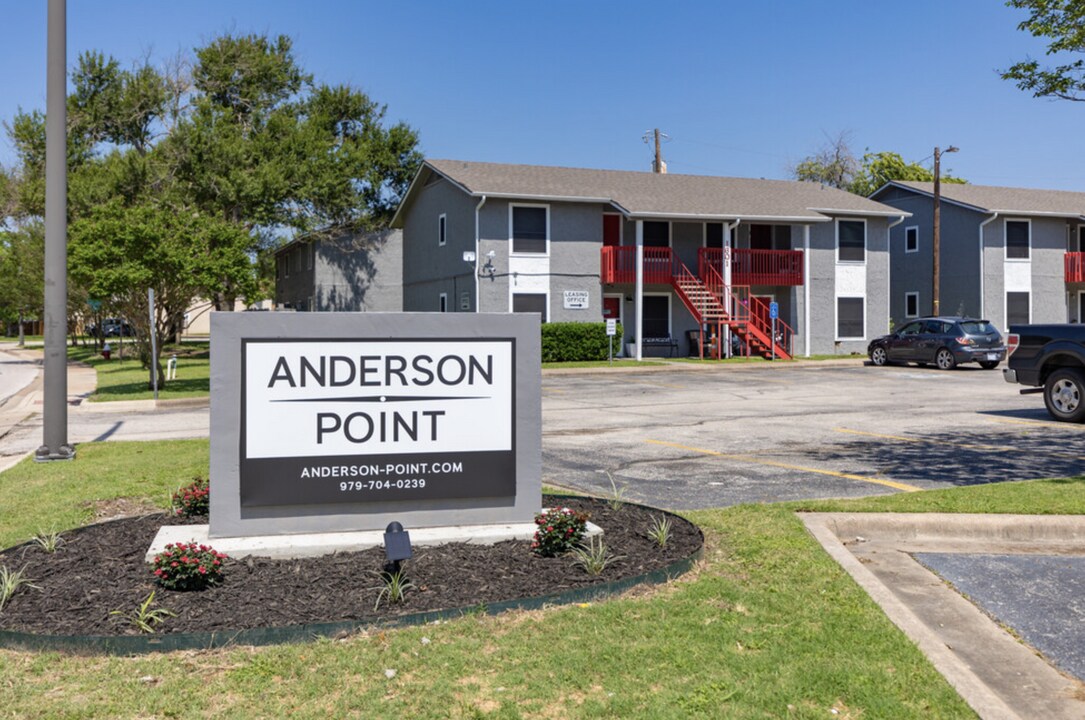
(126, 379)
(768, 626)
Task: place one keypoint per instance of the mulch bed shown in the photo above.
(100, 568)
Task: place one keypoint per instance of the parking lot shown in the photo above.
(686, 436)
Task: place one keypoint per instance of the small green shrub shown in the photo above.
(660, 531)
(192, 500)
(188, 566)
(558, 530)
(593, 557)
(143, 618)
(395, 588)
(10, 582)
(48, 540)
(577, 341)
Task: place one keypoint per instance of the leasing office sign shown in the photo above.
(328, 422)
(331, 421)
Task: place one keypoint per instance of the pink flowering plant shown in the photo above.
(192, 499)
(557, 531)
(188, 566)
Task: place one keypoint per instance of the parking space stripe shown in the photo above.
(757, 461)
(1039, 423)
(967, 446)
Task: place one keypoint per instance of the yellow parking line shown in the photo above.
(969, 446)
(1039, 423)
(771, 463)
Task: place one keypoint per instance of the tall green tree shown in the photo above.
(836, 166)
(1062, 23)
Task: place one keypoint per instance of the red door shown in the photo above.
(612, 231)
(612, 308)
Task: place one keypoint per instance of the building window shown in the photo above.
(849, 318)
(530, 228)
(657, 234)
(1017, 308)
(441, 229)
(851, 240)
(656, 316)
(1017, 241)
(279, 268)
(442, 302)
(911, 304)
(286, 264)
(911, 239)
(530, 303)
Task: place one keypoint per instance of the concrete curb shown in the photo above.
(669, 365)
(996, 675)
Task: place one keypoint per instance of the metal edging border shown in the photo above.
(142, 644)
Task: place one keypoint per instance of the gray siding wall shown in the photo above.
(1047, 276)
(430, 269)
(824, 290)
(363, 273)
(294, 279)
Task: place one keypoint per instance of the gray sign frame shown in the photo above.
(231, 331)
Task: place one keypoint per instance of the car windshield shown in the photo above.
(978, 327)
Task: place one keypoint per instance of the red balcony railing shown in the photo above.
(619, 265)
(756, 267)
(1075, 267)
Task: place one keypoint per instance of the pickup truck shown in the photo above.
(1050, 359)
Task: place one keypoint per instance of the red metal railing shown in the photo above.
(619, 265)
(756, 267)
(1075, 267)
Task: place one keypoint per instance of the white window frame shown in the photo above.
(1006, 306)
(670, 311)
(442, 302)
(512, 245)
(513, 293)
(836, 318)
(1006, 244)
(906, 231)
(836, 224)
(907, 295)
(442, 229)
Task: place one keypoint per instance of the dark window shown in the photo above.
(851, 237)
(656, 316)
(911, 304)
(528, 229)
(530, 303)
(911, 239)
(1017, 238)
(713, 236)
(761, 237)
(937, 327)
(1017, 308)
(657, 234)
(912, 328)
(849, 318)
(443, 302)
(441, 230)
(978, 327)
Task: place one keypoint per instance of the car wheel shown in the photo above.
(988, 364)
(1064, 395)
(945, 360)
(878, 356)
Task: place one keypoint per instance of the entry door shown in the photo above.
(612, 230)
(612, 308)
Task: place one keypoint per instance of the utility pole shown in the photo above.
(658, 166)
(936, 235)
(55, 402)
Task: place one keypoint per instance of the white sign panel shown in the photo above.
(342, 420)
(576, 299)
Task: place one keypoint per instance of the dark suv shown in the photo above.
(944, 341)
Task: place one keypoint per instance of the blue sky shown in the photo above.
(742, 88)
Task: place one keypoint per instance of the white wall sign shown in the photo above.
(576, 299)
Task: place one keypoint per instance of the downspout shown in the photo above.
(983, 266)
(728, 298)
(478, 254)
(889, 255)
(806, 289)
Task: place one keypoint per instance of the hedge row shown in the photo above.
(574, 341)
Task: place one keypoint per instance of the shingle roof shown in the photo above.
(645, 194)
(1006, 200)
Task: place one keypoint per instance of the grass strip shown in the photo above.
(127, 379)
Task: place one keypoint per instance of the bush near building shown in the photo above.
(577, 341)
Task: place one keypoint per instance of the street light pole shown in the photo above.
(55, 402)
(936, 236)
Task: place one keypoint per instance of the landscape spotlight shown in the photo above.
(397, 547)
